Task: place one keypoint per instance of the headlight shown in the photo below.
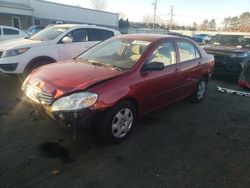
(14, 52)
(25, 82)
(239, 55)
(75, 101)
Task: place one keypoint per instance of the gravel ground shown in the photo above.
(182, 145)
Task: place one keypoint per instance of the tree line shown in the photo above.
(238, 24)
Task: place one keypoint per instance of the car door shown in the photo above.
(189, 63)
(82, 39)
(159, 88)
(78, 45)
(96, 34)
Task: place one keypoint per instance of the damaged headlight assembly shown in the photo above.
(74, 102)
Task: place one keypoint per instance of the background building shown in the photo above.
(24, 13)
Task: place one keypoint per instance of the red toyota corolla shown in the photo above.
(119, 80)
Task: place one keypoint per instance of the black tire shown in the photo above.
(35, 64)
(107, 128)
(200, 91)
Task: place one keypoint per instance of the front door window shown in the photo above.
(165, 53)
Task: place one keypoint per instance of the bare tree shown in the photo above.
(99, 4)
(147, 19)
(212, 25)
(204, 25)
(195, 26)
(238, 23)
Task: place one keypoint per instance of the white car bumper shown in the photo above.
(12, 65)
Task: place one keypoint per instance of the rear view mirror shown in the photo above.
(154, 66)
(67, 40)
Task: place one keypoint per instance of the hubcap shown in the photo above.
(201, 90)
(122, 122)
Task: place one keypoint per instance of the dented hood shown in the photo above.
(68, 76)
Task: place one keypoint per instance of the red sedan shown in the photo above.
(244, 80)
(119, 80)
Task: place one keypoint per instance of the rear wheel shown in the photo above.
(118, 124)
(200, 91)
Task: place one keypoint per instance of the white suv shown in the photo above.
(54, 43)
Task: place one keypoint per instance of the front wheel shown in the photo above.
(200, 91)
(35, 64)
(119, 123)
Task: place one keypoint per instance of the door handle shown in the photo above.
(199, 63)
(176, 70)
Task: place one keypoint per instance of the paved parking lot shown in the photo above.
(182, 145)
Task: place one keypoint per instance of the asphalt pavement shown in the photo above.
(181, 145)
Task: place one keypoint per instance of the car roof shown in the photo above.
(148, 37)
(82, 25)
(9, 27)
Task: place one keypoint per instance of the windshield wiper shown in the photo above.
(113, 66)
(81, 59)
(104, 64)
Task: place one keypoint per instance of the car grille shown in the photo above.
(227, 68)
(234, 67)
(225, 64)
(38, 95)
(219, 58)
(219, 68)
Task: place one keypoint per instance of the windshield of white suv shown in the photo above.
(49, 33)
(122, 54)
(231, 40)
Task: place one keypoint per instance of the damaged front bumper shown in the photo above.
(83, 118)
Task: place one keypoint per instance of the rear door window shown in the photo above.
(99, 34)
(7, 31)
(187, 51)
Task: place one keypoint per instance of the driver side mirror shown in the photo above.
(154, 66)
(67, 40)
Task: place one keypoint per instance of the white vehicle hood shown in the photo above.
(19, 43)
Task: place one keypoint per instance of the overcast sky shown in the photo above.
(185, 11)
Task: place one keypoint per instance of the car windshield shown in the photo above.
(49, 33)
(231, 40)
(119, 53)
